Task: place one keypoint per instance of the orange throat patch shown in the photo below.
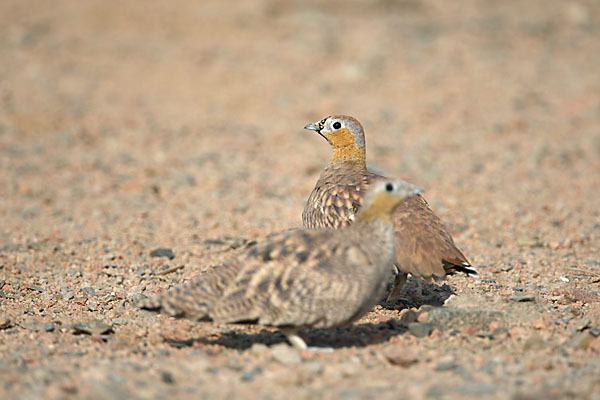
(345, 148)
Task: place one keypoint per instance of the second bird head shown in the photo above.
(384, 196)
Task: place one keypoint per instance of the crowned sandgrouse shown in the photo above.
(302, 278)
(424, 247)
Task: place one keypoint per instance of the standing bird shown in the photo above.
(302, 278)
(424, 247)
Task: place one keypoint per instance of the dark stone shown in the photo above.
(180, 344)
(484, 335)
(523, 298)
(250, 375)
(213, 241)
(167, 377)
(36, 288)
(34, 245)
(162, 252)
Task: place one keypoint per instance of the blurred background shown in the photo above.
(142, 124)
(186, 118)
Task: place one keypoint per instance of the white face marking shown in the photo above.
(332, 125)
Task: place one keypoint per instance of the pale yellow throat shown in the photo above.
(381, 207)
(345, 148)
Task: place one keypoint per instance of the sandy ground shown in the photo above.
(129, 127)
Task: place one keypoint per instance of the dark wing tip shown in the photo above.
(465, 268)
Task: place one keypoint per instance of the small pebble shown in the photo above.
(349, 369)
(478, 389)
(5, 322)
(66, 293)
(251, 374)
(92, 327)
(308, 371)
(583, 324)
(285, 354)
(446, 363)
(401, 356)
(92, 306)
(259, 348)
(420, 329)
(534, 342)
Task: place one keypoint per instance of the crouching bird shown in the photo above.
(424, 247)
(302, 278)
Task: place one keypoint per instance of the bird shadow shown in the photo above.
(358, 335)
(416, 294)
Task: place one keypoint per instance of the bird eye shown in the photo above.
(337, 125)
(389, 187)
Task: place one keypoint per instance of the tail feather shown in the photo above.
(196, 298)
(463, 267)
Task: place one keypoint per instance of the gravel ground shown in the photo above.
(147, 125)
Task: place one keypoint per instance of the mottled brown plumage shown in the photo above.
(301, 278)
(424, 247)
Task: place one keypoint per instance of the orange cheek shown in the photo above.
(341, 138)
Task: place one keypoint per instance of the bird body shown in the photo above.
(301, 278)
(424, 247)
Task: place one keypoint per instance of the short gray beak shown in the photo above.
(312, 127)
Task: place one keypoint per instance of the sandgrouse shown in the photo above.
(424, 247)
(301, 278)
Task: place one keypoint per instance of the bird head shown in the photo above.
(345, 135)
(384, 196)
